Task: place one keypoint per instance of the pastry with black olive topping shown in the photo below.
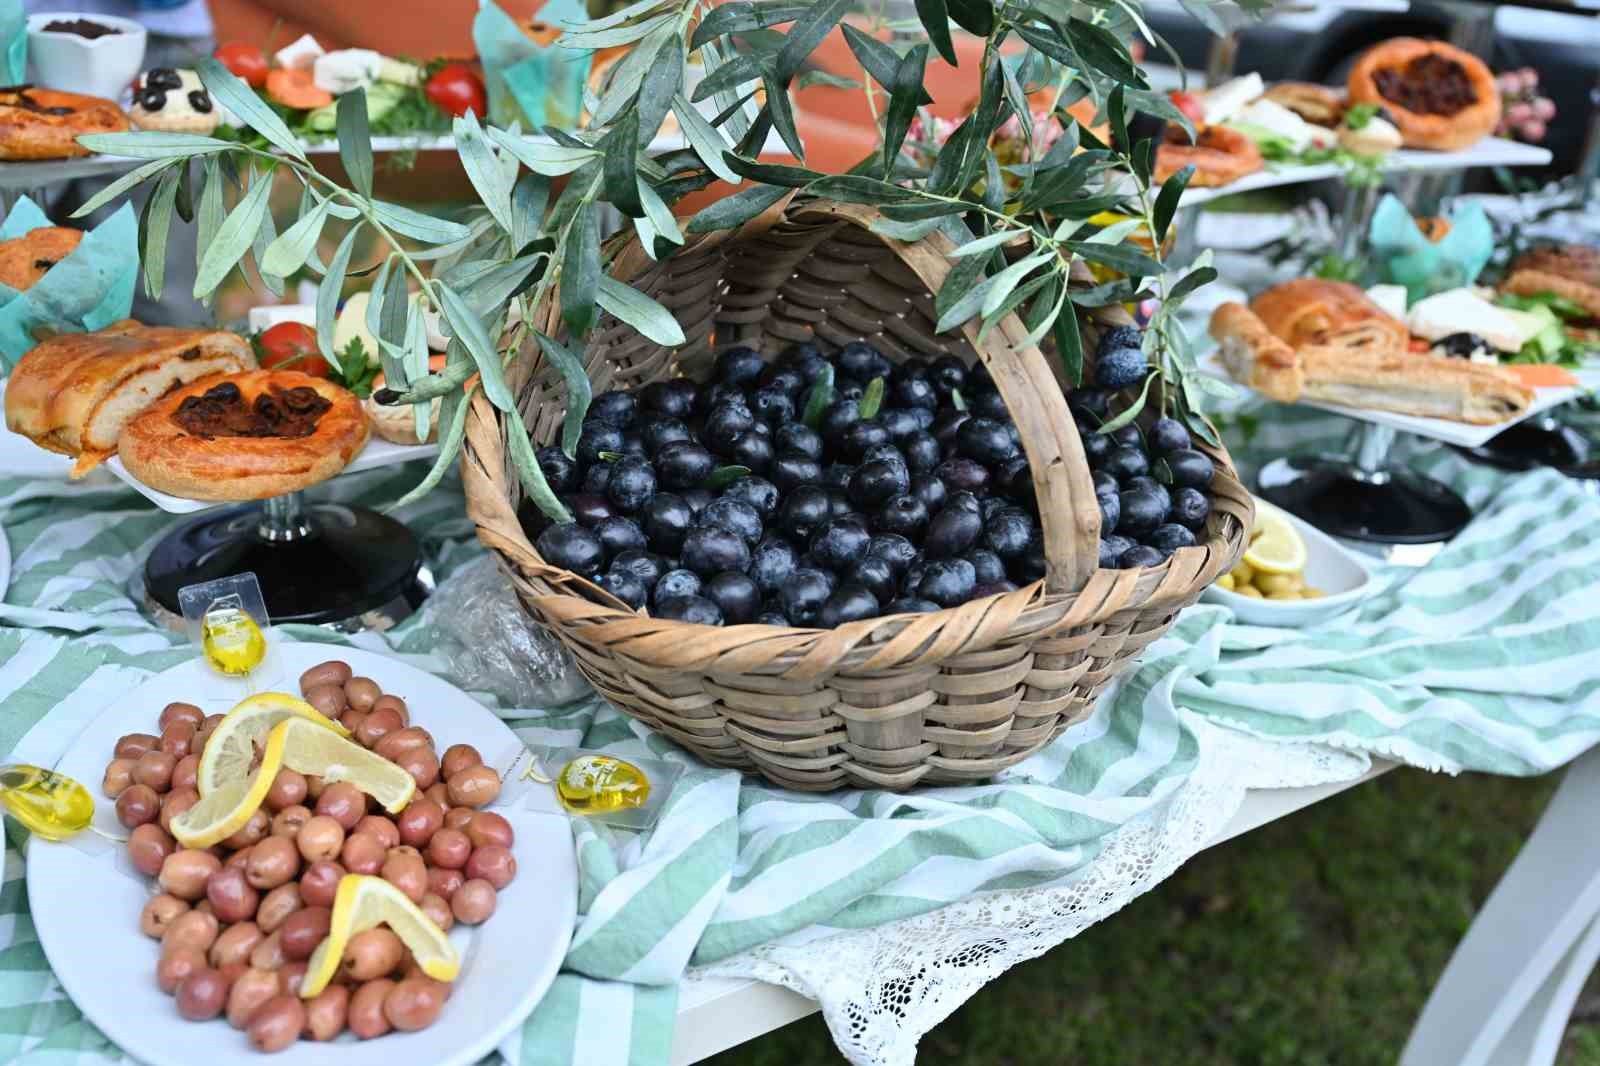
(174, 101)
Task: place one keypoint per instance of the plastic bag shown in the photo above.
(492, 645)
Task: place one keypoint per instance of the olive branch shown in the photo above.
(1018, 228)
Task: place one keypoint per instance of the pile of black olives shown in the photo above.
(1152, 484)
(808, 492)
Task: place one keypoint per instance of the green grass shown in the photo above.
(1312, 941)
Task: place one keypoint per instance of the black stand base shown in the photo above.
(343, 566)
(1387, 505)
(1536, 443)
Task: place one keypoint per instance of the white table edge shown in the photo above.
(714, 1015)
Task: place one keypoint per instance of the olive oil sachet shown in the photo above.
(623, 791)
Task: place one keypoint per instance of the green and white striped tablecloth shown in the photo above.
(1483, 660)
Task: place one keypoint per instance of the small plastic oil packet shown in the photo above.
(228, 623)
(626, 792)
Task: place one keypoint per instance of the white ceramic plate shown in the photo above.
(86, 907)
(1330, 566)
(20, 457)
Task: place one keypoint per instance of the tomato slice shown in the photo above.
(296, 89)
(246, 61)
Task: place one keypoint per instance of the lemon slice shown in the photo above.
(311, 749)
(231, 751)
(1276, 547)
(364, 902)
(224, 810)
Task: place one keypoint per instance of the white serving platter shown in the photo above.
(85, 903)
(20, 457)
(1330, 566)
(1440, 429)
(377, 453)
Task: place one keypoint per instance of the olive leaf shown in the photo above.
(639, 311)
(232, 93)
(467, 330)
(736, 210)
(157, 226)
(579, 390)
(233, 238)
(723, 476)
(488, 177)
(580, 271)
(355, 140)
(818, 399)
(871, 400)
(903, 94)
(329, 292)
(288, 252)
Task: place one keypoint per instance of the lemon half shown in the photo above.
(1276, 547)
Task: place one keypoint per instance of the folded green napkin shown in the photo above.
(1405, 256)
(13, 43)
(528, 83)
(88, 290)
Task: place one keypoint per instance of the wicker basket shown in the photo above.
(949, 697)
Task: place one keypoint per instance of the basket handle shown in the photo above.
(1069, 515)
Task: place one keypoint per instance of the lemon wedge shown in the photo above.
(231, 751)
(364, 902)
(225, 809)
(1276, 547)
(309, 748)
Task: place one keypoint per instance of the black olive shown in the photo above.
(790, 470)
(862, 361)
(696, 609)
(839, 505)
(572, 547)
(560, 473)
(163, 78)
(615, 406)
(805, 357)
(624, 586)
(773, 560)
(840, 543)
(1190, 507)
(912, 605)
(947, 582)
(924, 417)
(709, 549)
(913, 368)
(922, 452)
(1105, 484)
(588, 509)
(152, 99)
(877, 481)
(1096, 447)
(1146, 484)
(990, 506)
(989, 405)
(967, 501)
(985, 440)
(633, 445)
(876, 576)
(1118, 337)
(892, 548)
(619, 534)
(985, 589)
(1168, 538)
(675, 583)
(717, 394)
(978, 380)
(1459, 345)
(666, 519)
(1120, 368)
(735, 516)
(1008, 533)
(1112, 545)
(912, 579)
(646, 566)
(931, 491)
(1092, 401)
(1125, 462)
(803, 595)
(674, 398)
(771, 618)
(952, 531)
(1031, 565)
(740, 366)
(1142, 511)
(946, 426)
(901, 422)
(754, 450)
(772, 406)
(947, 374)
(987, 567)
(632, 484)
(597, 478)
(200, 100)
(598, 436)
(1139, 556)
(735, 595)
(726, 423)
(657, 433)
(683, 464)
(884, 453)
(1128, 436)
(1110, 512)
(915, 392)
(963, 475)
(1167, 435)
(838, 417)
(849, 603)
(803, 511)
(903, 514)
(783, 378)
(861, 436)
(845, 389)
(1015, 478)
(698, 499)
(758, 492)
(837, 476)
(1189, 469)
(798, 437)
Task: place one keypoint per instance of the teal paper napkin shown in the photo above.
(13, 43)
(1405, 256)
(529, 84)
(86, 291)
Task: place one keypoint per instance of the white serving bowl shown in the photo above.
(1330, 566)
(68, 63)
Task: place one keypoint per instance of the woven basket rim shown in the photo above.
(896, 642)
